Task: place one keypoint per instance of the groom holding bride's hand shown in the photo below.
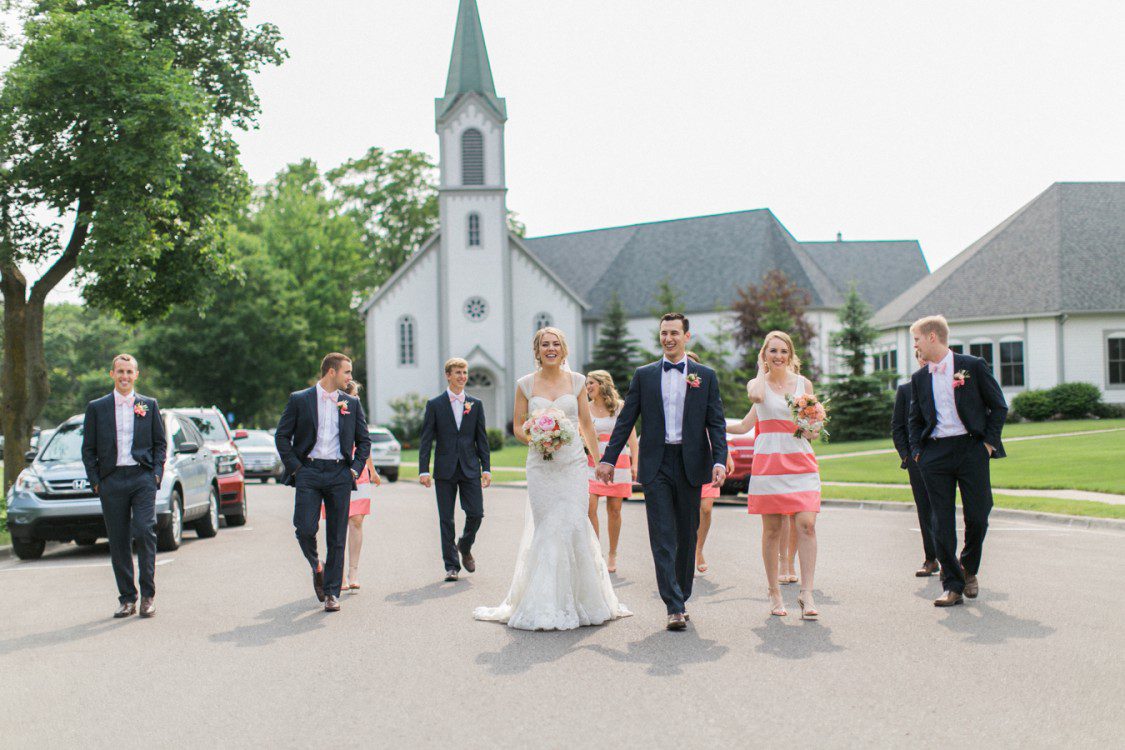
(683, 446)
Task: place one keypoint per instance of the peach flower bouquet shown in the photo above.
(810, 414)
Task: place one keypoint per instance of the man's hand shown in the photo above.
(604, 473)
(96, 488)
(718, 476)
(916, 457)
(157, 478)
(486, 479)
(991, 450)
(425, 480)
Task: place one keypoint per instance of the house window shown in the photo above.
(406, 340)
(1011, 364)
(478, 380)
(472, 157)
(474, 230)
(475, 309)
(956, 348)
(1116, 359)
(984, 351)
(543, 320)
(893, 360)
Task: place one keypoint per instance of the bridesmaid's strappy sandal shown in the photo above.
(808, 607)
(778, 604)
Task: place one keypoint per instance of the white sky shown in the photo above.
(882, 119)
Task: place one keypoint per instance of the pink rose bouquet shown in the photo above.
(548, 430)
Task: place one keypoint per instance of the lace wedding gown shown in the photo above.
(560, 581)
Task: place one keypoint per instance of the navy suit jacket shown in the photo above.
(467, 447)
(99, 438)
(980, 404)
(295, 436)
(900, 431)
(704, 434)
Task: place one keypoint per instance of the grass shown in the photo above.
(1022, 429)
(5, 537)
(409, 472)
(1085, 462)
(1040, 504)
(509, 455)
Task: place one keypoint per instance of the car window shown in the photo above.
(211, 426)
(257, 440)
(64, 445)
(191, 434)
(381, 437)
(176, 433)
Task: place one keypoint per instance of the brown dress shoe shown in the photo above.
(949, 599)
(467, 557)
(677, 622)
(972, 587)
(451, 575)
(928, 569)
(126, 610)
(148, 606)
(331, 603)
(318, 584)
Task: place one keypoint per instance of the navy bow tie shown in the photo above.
(669, 366)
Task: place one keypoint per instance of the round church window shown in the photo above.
(476, 309)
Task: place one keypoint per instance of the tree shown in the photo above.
(777, 304)
(615, 352)
(409, 411)
(515, 226)
(719, 352)
(861, 403)
(667, 300)
(115, 117)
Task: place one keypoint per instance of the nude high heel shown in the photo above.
(777, 603)
(808, 607)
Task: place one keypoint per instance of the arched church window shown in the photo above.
(475, 309)
(472, 157)
(474, 230)
(478, 380)
(543, 320)
(406, 340)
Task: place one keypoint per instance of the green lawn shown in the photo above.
(509, 455)
(1023, 429)
(409, 472)
(1085, 462)
(1041, 504)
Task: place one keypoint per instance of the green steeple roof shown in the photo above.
(469, 71)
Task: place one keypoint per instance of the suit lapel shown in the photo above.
(310, 399)
(111, 407)
(957, 367)
(658, 373)
(137, 419)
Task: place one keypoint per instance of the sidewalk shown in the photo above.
(882, 451)
(1097, 497)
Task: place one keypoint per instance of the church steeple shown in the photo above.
(469, 69)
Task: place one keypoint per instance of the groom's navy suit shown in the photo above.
(673, 473)
(322, 481)
(960, 461)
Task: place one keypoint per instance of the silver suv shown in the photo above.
(51, 499)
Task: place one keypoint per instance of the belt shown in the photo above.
(951, 437)
(322, 463)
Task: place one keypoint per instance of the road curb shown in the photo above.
(5, 551)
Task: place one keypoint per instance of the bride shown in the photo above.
(560, 581)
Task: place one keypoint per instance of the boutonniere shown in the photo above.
(141, 410)
(693, 380)
(343, 407)
(960, 377)
(468, 407)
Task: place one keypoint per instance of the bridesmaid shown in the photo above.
(707, 501)
(785, 478)
(605, 403)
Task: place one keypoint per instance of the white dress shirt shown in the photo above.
(123, 415)
(457, 403)
(949, 423)
(673, 390)
(328, 426)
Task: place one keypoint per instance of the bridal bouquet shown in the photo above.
(809, 414)
(548, 430)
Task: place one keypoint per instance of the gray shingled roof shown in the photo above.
(707, 259)
(1062, 252)
(880, 270)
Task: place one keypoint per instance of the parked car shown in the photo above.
(386, 453)
(260, 459)
(52, 500)
(228, 461)
(741, 448)
(40, 440)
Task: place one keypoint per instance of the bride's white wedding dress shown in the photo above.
(560, 581)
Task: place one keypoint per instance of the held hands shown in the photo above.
(604, 473)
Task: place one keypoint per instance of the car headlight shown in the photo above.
(29, 481)
(227, 464)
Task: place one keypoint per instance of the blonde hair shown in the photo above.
(794, 360)
(453, 363)
(693, 357)
(126, 358)
(352, 388)
(607, 389)
(539, 335)
(932, 324)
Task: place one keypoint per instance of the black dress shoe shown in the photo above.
(148, 606)
(126, 609)
(451, 575)
(467, 557)
(318, 584)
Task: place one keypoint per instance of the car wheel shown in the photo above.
(169, 538)
(208, 526)
(264, 480)
(238, 519)
(28, 549)
(391, 475)
(86, 541)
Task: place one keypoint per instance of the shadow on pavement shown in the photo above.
(423, 594)
(526, 649)
(65, 635)
(983, 623)
(666, 653)
(295, 618)
(799, 639)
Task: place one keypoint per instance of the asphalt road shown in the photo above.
(240, 653)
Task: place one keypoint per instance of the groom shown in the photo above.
(323, 441)
(683, 446)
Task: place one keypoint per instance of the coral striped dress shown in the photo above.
(785, 477)
(622, 485)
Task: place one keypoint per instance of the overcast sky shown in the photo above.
(880, 119)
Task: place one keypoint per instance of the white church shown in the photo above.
(477, 291)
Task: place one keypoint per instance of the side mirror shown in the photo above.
(30, 456)
(188, 447)
(241, 434)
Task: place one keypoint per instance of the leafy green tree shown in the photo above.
(408, 412)
(615, 352)
(719, 352)
(667, 300)
(116, 118)
(861, 403)
(776, 304)
(515, 226)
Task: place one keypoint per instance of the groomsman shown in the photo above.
(454, 421)
(324, 443)
(900, 433)
(123, 450)
(957, 412)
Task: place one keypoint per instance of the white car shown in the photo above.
(386, 453)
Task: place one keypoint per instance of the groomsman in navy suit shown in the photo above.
(900, 434)
(957, 412)
(324, 443)
(123, 451)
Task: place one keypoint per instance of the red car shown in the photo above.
(228, 461)
(741, 448)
